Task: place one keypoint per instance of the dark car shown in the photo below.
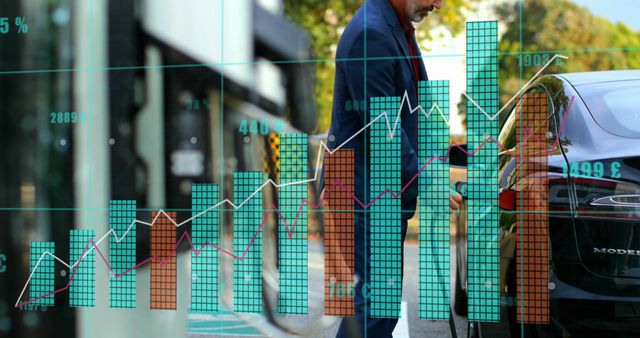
(590, 252)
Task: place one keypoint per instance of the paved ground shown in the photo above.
(416, 327)
(420, 327)
(228, 324)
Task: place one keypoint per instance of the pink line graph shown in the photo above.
(336, 184)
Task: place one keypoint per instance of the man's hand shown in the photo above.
(455, 200)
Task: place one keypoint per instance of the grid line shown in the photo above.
(122, 255)
(433, 185)
(204, 266)
(43, 279)
(82, 290)
(163, 263)
(532, 244)
(483, 250)
(386, 224)
(247, 274)
(292, 245)
(339, 234)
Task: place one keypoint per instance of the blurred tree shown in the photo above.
(562, 27)
(325, 20)
(551, 27)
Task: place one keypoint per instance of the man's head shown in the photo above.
(416, 10)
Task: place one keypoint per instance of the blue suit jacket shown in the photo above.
(373, 60)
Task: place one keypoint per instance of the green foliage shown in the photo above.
(325, 20)
(562, 27)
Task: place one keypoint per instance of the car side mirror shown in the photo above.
(458, 157)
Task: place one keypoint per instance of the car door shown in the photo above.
(532, 188)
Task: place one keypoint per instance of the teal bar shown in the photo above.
(483, 250)
(204, 258)
(122, 287)
(247, 242)
(82, 290)
(433, 185)
(292, 239)
(41, 286)
(386, 223)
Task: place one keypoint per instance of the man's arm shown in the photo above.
(378, 76)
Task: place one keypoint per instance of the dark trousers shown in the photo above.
(368, 327)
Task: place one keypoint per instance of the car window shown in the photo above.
(509, 133)
(507, 136)
(614, 106)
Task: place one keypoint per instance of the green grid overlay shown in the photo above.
(386, 241)
(122, 290)
(42, 280)
(433, 238)
(247, 274)
(82, 290)
(483, 250)
(292, 252)
(204, 266)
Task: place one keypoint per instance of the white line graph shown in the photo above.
(322, 146)
(488, 115)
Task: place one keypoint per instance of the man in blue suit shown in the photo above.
(378, 57)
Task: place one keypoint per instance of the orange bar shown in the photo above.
(532, 249)
(163, 262)
(339, 234)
